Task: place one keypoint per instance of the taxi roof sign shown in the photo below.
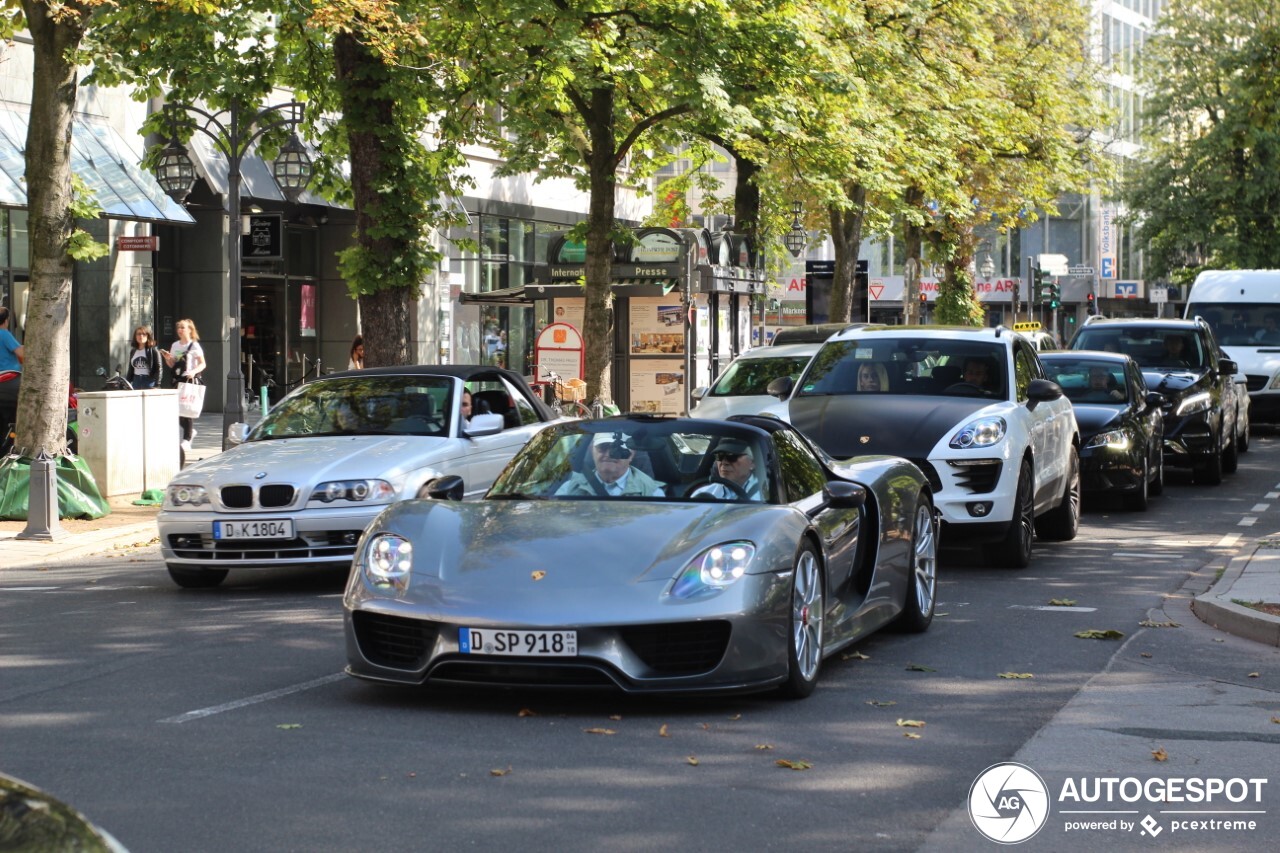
(1032, 326)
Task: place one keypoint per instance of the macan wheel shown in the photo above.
(1014, 550)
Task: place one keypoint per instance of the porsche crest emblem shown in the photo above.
(538, 575)
(864, 439)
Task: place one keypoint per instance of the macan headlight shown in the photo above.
(186, 496)
(1192, 403)
(713, 569)
(387, 561)
(982, 432)
(1114, 439)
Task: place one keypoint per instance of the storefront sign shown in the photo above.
(263, 238)
(149, 243)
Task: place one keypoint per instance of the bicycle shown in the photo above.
(567, 398)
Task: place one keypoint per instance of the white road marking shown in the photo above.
(1247, 521)
(28, 588)
(1051, 607)
(1228, 540)
(254, 700)
(1135, 554)
(1260, 507)
(1272, 495)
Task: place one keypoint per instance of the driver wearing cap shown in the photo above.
(613, 476)
(735, 465)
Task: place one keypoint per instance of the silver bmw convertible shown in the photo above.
(648, 554)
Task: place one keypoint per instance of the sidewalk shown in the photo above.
(125, 527)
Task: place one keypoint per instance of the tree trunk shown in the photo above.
(385, 315)
(46, 374)
(913, 245)
(746, 201)
(599, 322)
(846, 236)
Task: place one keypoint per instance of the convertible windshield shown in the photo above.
(907, 365)
(640, 460)
(375, 405)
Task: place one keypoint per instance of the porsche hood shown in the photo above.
(910, 427)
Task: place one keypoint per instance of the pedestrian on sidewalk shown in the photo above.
(11, 360)
(357, 354)
(186, 359)
(144, 360)
(11, 352)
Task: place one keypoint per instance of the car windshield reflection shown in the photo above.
(882, 365)
(641, 460)
(375, 405)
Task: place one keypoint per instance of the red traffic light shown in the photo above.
(924, 297)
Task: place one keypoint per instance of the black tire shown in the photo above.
(804, 635)
(1157, 483)
(1014, 550)
(1138, 499)
(1231, 458)
(196, 578)
(922, 579)
(1062, 523)
(1209, 472)
(1243, 438)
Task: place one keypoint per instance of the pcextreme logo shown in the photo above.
(1008, 803)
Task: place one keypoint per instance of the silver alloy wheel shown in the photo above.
(926, 562)
(806, 615)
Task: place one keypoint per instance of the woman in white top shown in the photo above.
(186, 359)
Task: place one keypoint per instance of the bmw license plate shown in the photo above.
(507, 641)
(254, 528)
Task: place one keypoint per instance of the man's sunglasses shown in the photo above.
(728, 457)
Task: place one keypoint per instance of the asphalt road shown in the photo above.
(219, 720)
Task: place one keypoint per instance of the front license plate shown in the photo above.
(254, 528)
(505, 641)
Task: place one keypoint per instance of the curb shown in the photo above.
(35, 554)
(1216, 608)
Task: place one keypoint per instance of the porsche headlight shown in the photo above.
(186, 495)
(1193, 403)
(983, 432)
(1114, 439)
(713, 569)
(387, 561)
(374, 491)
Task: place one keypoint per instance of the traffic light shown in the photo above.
(1090, 305)
(1043, 290)
(1054, 296)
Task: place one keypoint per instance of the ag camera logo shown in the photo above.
(1008, 803)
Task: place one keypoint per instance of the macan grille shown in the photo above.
(1254, 382)
(679, 649)
(979, 478)
(393, 641)
(270, 496)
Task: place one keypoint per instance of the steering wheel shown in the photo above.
(966, 386)
(737, 490)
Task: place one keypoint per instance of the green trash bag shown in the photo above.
(78, 495)
(151, 497)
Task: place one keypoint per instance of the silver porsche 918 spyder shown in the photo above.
(648, 554)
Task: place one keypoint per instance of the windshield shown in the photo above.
(751, 376)
(907, 365)
(374, 405)
(1240, 323)
(1089, 380)
(640, 460)
(1154, 348)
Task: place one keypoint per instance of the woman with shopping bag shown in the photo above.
(186, 359)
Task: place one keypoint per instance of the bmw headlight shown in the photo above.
(983, 432)
(1193, 403)
(186, 496)
(373, 491)
(1114, 439)
(387, 561)
(1275, 383)
(713, 569)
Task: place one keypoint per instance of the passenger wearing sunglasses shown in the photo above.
(613, 476)
(733, 474)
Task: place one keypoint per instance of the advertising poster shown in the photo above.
(656, 325)
(307, 311)
(657, 386)
(571, 310)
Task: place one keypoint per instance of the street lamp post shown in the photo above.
(233, 135)
(988, 269)
(797, 238)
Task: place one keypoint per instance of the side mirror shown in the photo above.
(482, 425)
(1043, 390)
(1227, 366)
(781, 387)
(1156, 400)
(844, 495)
(101, 371)
(700, 392)
(447, 488)
(237, 433)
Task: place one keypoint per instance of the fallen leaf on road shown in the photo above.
(598, 731)
(706, 727)
(914, 724)
(1095, 634)
(1147, 623)
(770, 746)
(662, 732)
(855, 656)
(615, 717)
(289, 726)
(1275, 719)
(736, 717)
(1253, 675)
(793, 765)
(911, 735)
(500, 772)
(915, 667)
(692, 759)
(1146, 654)
(1062, 602)
(1159, 754)
(526, 712)
(879, 703)
(1016, 675)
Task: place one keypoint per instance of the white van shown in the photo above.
(1243, 307)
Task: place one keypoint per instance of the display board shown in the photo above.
(657, 385)
(656, 325)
